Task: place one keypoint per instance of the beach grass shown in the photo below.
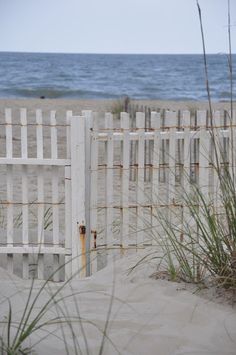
(46, 313)
(202, 248)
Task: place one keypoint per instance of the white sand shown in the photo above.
(147, 317)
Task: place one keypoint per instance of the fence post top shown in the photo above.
(155, 119)
(140, 120)
(124, 120)
(8, 117)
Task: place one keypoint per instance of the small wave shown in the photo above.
(225, 95)
(53, 93)
(36, 92)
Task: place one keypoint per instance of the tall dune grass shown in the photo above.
(207, 248)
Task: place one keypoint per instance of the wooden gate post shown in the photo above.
(78, 192)
(88, 127)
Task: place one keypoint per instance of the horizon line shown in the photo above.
(113, 53)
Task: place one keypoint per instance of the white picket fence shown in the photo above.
(74, 193)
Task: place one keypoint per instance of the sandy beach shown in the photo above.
(62, 105)
(147, 316)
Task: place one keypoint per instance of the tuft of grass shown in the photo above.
(50, 316)
(207, 249)
(121, 105)
(17, 222)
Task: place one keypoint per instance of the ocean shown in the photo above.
(111, 76)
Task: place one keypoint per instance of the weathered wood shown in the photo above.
(109, 153)
(171, 121)
(68, 199)
(185, 187)
(36, 250)
(34, 161)
(140, 123)
(9, 151)
(155, 200)
(40, 192)
(124, 122)
(204, 166)
(25, 200)
(94, 194)
(77, 190)
(55, 194)
(88, 127)
(204, 154)
(216, 158)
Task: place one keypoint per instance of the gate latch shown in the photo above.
(82, 229)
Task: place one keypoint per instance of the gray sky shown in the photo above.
(114, 26)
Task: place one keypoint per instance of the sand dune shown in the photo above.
(147, 317)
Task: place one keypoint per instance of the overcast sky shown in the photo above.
(114, 26)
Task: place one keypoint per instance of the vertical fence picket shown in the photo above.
(155, 123)
(163, 151)
(88, 127)
(187, 137)
(93, 195)
(55, 193)
(124, 121)
(230, 127)
(40, 192)
(216, 158)
(25, 200)
(171, 119)
(68, 197)
(146, 146)
(204, 154)
(109, 183)
(132, 145)
(9, 154)
(204, 159)
(140, 123)
(78, 191)
(186, 172)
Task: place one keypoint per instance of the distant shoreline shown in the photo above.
(106, 53)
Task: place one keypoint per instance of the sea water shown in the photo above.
(110, 76)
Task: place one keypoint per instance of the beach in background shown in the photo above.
(101, 105)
